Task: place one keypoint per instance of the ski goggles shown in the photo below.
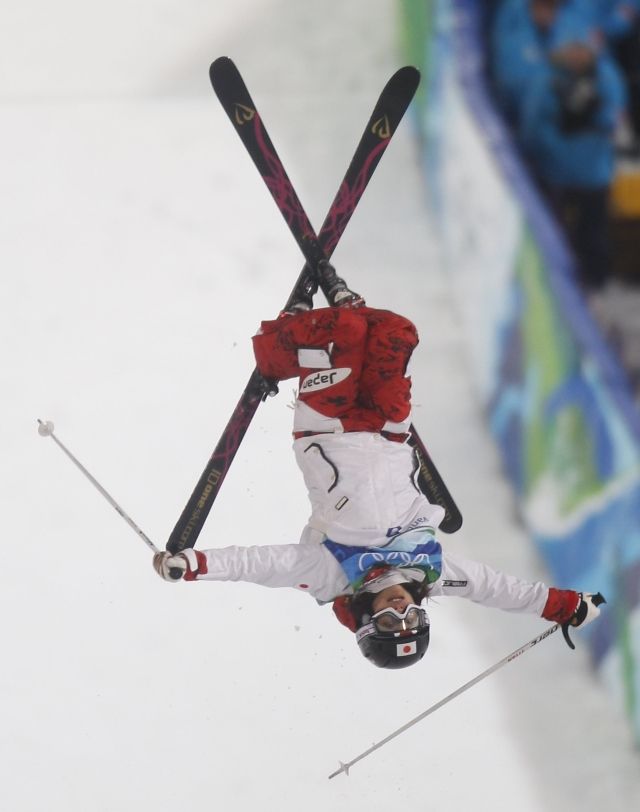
(389, 620)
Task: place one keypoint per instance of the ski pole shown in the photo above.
(45, 429)
(345, 767)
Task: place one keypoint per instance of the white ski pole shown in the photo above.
(345, 767)
(45, 429)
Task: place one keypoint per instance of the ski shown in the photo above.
(387, 114)
(236, 100)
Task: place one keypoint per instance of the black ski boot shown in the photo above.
(301, 299)
(335, 288)
(265, 387)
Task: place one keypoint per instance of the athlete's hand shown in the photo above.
(172, 567)
(587, 611)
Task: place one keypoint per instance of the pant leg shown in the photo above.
(391, 340)
(593, 236)
(585, 217)
(364, 384)
(280, 350)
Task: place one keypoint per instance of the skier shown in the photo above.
(369, 546)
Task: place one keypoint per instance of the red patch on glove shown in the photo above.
(202, 567)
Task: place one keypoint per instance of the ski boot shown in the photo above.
(301, 299)
(265, 387)
(335, 288)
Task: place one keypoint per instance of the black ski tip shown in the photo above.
(409, 72)
(221, 66)
(452, 521)
(407, 77)
(398, 93)
(228, 84)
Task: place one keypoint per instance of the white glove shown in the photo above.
(174, 567)
(588, 610)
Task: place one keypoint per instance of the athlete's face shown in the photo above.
(393, 597)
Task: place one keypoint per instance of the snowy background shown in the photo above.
(139, 250)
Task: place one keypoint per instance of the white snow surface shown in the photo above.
(139, 251)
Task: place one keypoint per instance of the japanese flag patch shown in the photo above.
(405, 649)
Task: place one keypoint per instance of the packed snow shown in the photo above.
(139, 251)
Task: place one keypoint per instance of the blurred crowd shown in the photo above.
(566, 75)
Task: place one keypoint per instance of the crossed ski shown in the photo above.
(387, 114)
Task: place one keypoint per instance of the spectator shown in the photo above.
(567, 125)
(622, 29)
(616, 28)
(611, 19)
(524, 32)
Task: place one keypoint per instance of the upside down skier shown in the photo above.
(369, 547)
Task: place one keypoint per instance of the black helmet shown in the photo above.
(388, 638)
(391, 639)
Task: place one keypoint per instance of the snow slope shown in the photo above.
(139, 252)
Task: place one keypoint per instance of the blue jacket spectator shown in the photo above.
(612, 19)
(523, 34)
(569, 116)
(617, 27)
(567, 129)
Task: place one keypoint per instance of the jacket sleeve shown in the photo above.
(480, 583)
(614, 95)
(308, 567)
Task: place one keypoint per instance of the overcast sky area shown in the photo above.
(139, 251)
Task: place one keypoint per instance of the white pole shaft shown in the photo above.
(345, 767)
(46, 430)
